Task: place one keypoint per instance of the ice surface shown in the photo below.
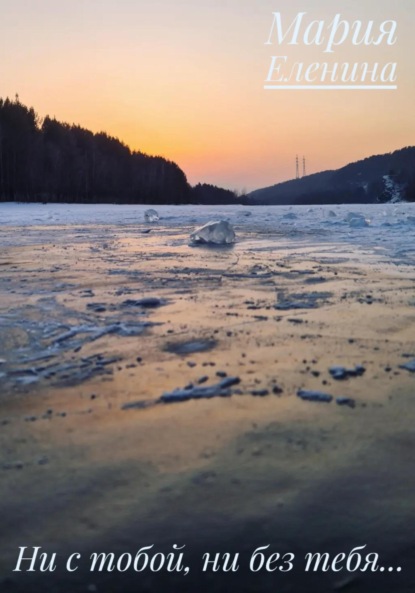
(265, 222)
(151, 215)
(292, 215)
(218, 233)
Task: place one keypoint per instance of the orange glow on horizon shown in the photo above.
(186, 82)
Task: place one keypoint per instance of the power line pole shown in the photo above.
(304, 170)
(297, 168)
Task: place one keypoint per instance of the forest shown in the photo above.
(376, 179)
(44, 160)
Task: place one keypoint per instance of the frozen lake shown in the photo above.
(114, 342)
(390, 226)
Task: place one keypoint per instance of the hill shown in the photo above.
(382, 178)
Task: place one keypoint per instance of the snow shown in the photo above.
(393, 190)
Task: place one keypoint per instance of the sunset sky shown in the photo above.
(184, 79)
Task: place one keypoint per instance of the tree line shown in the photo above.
(50, 161)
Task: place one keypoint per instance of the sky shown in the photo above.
(184, 79)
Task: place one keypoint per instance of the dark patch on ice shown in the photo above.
(190, 347)
(87, 294)
(49, 342)
(95, 332)
(341, 373)
(335, 260)
(307, 300)
(146, 303)
(315, 280)
(409, 366)
(81, 370)
(66, 373)
(139, 405)
(369, 300)
(96, 307)
(260, 392)
(290, 216)
(182, 395)
(346, 401)
(212, 246)
(314, 396)
(251, 275)
(39, 358)
(221, 389)
(230, 382)
(125, 290)
(129, 273)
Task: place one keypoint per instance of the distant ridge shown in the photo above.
(381, 178)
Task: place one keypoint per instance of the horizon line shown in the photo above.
(327, 87)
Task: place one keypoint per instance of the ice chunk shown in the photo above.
(357, 223)
(218, 233)
(356, 220)
(151, 215)
(352, 215)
